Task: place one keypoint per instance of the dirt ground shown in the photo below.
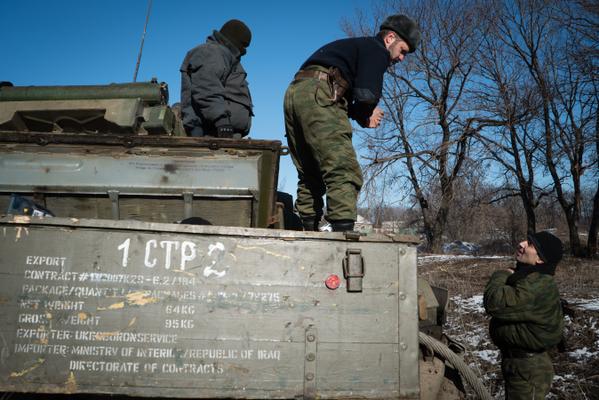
(576, 368)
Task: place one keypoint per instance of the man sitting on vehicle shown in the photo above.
(215, 97)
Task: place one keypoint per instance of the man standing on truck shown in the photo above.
(341, 80)
(527, 317)
(215, 97)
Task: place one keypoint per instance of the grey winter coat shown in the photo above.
(214, 90)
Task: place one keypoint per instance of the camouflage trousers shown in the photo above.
(527, 378)
(319, 136)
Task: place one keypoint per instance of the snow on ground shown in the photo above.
(451, 257)
(472, 304)
(584, 304)
(583, 354)
(577, 368)
(491, 356)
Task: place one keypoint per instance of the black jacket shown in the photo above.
(362, 62)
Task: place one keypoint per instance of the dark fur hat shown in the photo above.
(405, 27)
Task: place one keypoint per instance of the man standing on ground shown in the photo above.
(215, 97)
(527, 317)
(341, 80)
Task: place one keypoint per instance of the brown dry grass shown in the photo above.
(576, 378)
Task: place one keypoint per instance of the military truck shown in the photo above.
(137, 261)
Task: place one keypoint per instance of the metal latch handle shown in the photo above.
(353, 269)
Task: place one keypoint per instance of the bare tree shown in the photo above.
(507, 104)
(582, 19)
(426, 138)
(529, 29)
(517, 87)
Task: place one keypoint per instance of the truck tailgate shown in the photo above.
(150, 309)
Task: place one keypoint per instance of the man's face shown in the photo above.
(397, 47)
(527, 254)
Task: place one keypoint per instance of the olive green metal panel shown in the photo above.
(159, 179)
(130, 108)
(148, 92)
(159, 120)
(129, 171)
(206, 312)
(91, 116)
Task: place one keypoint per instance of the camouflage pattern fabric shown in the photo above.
(527, 378)
(319, 136)
(526, 316)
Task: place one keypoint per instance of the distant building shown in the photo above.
(363, 225)
(397, 227)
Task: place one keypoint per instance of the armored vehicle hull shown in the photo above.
(150, 309)
(138, 262)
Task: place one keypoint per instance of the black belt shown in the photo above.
(519, 353)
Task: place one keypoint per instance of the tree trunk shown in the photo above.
(438, 226)
(531, 222)
(593, 227)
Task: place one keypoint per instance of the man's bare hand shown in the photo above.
(376, 118)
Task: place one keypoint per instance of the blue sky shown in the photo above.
(79, 42)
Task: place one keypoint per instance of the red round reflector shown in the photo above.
(332, 282)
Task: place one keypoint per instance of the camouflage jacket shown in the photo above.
(214, 89)
(527, 315)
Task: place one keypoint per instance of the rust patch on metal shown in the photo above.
(21, 219)
(25, 371)
(239, 368)
(115, 306)
(20, 230)
(141, 298)
(71, 383)
(102, 335)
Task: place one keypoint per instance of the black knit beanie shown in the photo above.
(238, 34)
(549, 248)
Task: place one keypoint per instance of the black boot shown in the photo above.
(310, 223)
(343, 225)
